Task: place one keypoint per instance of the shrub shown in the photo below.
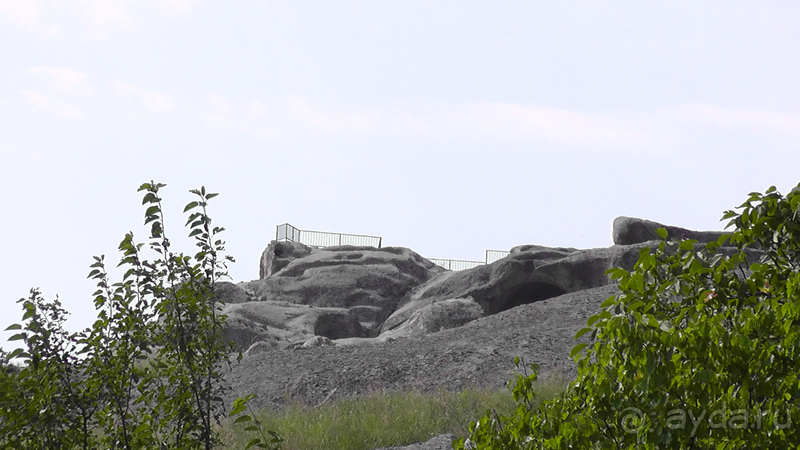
(146, 375)
(699, 350)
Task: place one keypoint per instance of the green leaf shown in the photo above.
(582, 331)
(577, 349)
(244, 418)
(30, 312)
(150, 198)
(189, 206)
(18, 337)
(253, 442)
(608, 302)
(15, 326)
(662, 233)
(238, 406)
(650, 364)
(635, 305)
(141, 428)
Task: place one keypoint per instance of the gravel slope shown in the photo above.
(479, 354)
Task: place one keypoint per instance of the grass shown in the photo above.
(380, 420)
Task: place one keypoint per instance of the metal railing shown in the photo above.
(287, 232)
(320, 239)
(460, 264)
(455, 264)
(494, 255)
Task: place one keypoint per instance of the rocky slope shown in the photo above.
(322, 324)
(478, 354)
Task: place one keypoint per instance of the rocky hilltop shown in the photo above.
(323, 323)
(348, 295)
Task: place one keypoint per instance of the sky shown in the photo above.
(448, 127)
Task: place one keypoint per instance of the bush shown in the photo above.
(701, 349)
(146, 375)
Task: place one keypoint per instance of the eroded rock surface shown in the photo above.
(352, 295)
(279, 254)
(369, 281)
(336, 292)
(630, 230)
(315, 316)
(529, 274)
(286, 323)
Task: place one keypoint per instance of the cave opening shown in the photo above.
(338, 326)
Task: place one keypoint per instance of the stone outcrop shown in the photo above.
(629, 230)
(283, 323)
(336, 292)
(436, 316)
(279, 254)
(367, 281)
(231, 293)
(354, 295)
(529, 274)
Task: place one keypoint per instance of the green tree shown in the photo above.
(147, 374)
(700, 350)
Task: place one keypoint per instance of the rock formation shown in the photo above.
(339, 322)
(335, 292)
(529, 274)
(351, 294)
(285, 323)
(629, 230)
(279, 254)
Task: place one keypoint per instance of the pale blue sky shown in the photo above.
(447, 127)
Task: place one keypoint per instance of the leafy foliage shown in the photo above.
(147, 374)
(701, 349)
